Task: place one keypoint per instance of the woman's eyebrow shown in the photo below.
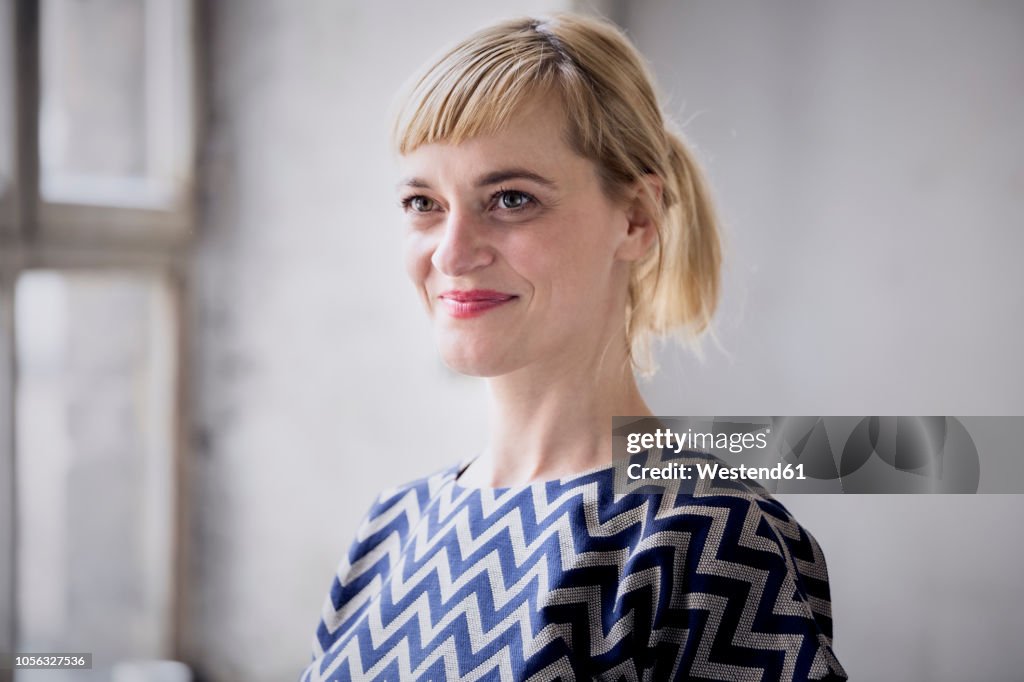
(492, 178)
(506, 174)
(413, 182)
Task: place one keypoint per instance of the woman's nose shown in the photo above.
(463, 246)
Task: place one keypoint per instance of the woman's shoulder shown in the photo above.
(737, 550)
(732, 501)
(742, 521)
(737, 528)
(413, 495)
(393, 514)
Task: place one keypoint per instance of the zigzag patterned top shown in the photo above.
(565, 580)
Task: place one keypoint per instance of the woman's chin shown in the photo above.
(475, 361)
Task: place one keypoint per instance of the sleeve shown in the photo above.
(750, 598)
(363, 571)
(349, 590)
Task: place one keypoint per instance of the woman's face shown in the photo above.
(518, 254)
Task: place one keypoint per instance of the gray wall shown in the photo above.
(870, 174)
(869, 161)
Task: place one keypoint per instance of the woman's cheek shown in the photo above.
(419, 248)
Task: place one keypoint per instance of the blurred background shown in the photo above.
(206, 331)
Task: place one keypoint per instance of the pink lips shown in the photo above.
(464, 304)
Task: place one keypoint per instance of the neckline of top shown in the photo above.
(457, 471)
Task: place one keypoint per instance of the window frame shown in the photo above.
(38, 234)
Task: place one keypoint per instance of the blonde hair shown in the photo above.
(613, 119)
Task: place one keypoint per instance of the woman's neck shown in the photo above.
(554, 421)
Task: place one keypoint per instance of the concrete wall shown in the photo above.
(869, 162)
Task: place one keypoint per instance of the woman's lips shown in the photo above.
(463, 304)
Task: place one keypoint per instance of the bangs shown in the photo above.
(478, 86)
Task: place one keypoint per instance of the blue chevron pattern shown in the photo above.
(565, 580)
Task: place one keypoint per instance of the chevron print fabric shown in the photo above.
(565, 580)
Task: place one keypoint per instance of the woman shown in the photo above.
(554, 226)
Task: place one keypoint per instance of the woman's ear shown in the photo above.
(643, 209)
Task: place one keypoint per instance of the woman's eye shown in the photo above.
(418, 204)
(512, 200)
